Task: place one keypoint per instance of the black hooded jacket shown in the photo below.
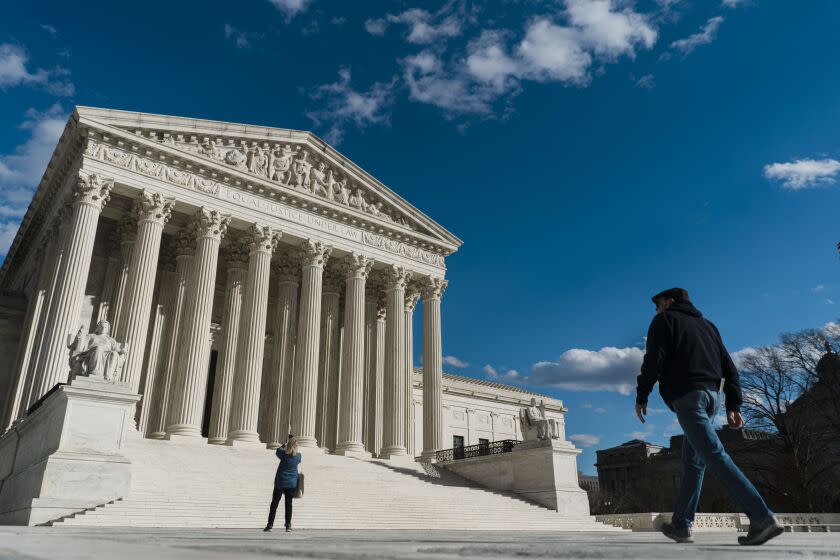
(684, 353)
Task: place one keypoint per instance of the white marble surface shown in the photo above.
(130, 544)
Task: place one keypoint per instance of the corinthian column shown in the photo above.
(90, 193)
(393, 434)
(190, 380)
(237, 276)
(251, 348)
(184, 251)
(127, 232)
(15, 402)
(326, 420)
(432, 368)
(314, 256)
(350, 437)
(281, 370)
(152, 212)
(161, 316)
(412, 294)
(371, 295)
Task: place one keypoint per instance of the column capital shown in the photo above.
(287, 267)
(412, 294)
(210, 223)
(356, 265)
(433, 288)
(184, 243)
(236, 253)
(314, 253)
(397, 277)
(262, 238)
(152, 207)
(92, 189)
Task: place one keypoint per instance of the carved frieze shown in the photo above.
(292, 166)
(286, 176)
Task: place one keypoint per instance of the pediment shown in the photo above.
(294, 161)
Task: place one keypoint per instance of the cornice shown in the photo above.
(185, 169)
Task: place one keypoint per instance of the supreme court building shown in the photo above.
(261, 283)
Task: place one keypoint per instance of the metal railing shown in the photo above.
(480, 450)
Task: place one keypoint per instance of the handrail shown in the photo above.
(480, 450)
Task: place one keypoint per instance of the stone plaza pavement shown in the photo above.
(32, 543)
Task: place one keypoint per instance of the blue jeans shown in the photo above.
(702, 449)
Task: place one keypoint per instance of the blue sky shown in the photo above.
(588, 152)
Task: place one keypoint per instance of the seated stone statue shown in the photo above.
(96, 355)
(534, 423)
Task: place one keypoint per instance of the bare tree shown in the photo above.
(780, 395)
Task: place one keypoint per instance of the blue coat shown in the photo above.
(287, 470)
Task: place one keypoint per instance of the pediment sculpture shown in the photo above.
(96, 355)
(535, 424)
(291, 166)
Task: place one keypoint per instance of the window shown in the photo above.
(483, 442)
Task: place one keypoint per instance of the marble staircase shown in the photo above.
(217, 486)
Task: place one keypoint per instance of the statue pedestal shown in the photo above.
(545, 472)
(64, 456)
(542, 471)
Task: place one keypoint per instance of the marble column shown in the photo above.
(325, 425)
(127, 231)
(350, 437)
(371, 295)
(60, 228)
(161, 315)
(184, 251)
(412, 294)
(250, 352)
(432, 368)
(190, 380)
(314, 256)
(237, 277)
(279, 386)
(393, 433)
(44, 255)
(90, 194)
(152, 211)
(109, 283)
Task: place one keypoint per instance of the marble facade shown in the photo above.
(261, 283)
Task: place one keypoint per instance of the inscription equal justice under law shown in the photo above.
(323, 224)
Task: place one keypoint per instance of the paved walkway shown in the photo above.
(29, 543)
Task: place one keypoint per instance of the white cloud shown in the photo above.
(554, 53)
(705, 36)
(607, 369)
(739, 356)
(21, 170)
(14, 72)
(345, 105)
(424, 28)
(585, 440)
(376, 26)
(600, 410)
(454, 362)
(291, 8)
(818, 288)
(646, 82)
(242, 39)
(608, 31)
(642, 435)
(829, 301)
(509, 375)
(803, 173)
(49, 28)
(733, 3)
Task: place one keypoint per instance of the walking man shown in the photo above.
(686, 355)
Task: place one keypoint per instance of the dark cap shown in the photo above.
(676, 294)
